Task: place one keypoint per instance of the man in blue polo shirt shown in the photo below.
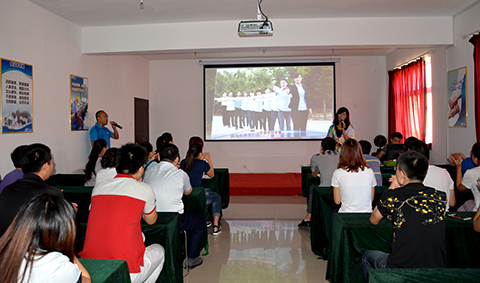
(99, 131)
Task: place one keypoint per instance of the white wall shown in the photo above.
(312, 33)
(458, 56)
(176, 106)
(51, 44)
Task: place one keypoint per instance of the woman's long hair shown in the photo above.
(163, 140)
(44, 224)
(195, 139)
(193, 151)
(351, 157)
(98, 146)
(108, 159)
(341, 110)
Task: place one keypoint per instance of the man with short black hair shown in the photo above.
(372, 161)
(323, 165)
(437, 177)
(17, 173)
(469, 180)
(418, 217)
(170, 183)
(99, 131)
(395, 138)
(37, 166)
(126, 199)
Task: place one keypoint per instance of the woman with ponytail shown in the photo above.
(93, 163)
(196, 164)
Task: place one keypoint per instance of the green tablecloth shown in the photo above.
(322, 208)
(195, 202)
(307, 179)
(444, 275)
(107, 271)
(166, 232)
(66, 180)
(220, 184)
(353, 234)
(78, 194)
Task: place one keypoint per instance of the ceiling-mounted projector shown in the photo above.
(255, 28)
(259, 27)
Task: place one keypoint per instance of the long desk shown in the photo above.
(66, 180)
(353, 234)
(107, 271)
(195, 202)
(220, 184)
(322, 208)
(80, 195)
(308, 180)
(424, 275)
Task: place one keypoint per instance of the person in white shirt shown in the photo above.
(469, 180)
(353, 182)
(108, 170)
(169, 184)
(39, 245)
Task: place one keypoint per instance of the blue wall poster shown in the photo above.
(78, 103)
(17, 97)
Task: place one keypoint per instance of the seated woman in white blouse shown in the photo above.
(108, 165)
(353, 182)
(39, 245)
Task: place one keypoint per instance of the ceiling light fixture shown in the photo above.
(141, 5)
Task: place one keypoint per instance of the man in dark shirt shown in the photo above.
(418, 218)
(37, 166)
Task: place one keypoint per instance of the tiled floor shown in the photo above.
(260, 242)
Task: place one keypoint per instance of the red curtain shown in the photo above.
(407, 91)
(475, 40)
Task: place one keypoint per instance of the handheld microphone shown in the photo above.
(116, 125)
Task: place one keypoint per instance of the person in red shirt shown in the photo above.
(128, 200)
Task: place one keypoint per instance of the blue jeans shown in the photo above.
(374, 260)
(215, 200)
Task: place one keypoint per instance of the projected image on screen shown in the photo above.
(274, 102)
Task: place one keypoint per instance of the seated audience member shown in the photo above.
(467, 163)
(93, 164)
(152, 156)
(476, 220)
(37, 165)
(323, 165)
(372, 161)
(395, 138)
(17, 173)
(170, 184)
(164, 139)
(39, 245)
(195, 164)
(353, 182)
(437, 178)
(469, 180)
(127, 199)
(108, 170)
(418, 214)
(408, 142)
